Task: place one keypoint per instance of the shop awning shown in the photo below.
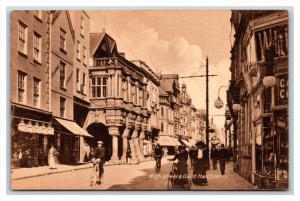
(35, 128)
(73, 127)
(165, 140)
(185, 142)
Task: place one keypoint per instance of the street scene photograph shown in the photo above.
(149, 100)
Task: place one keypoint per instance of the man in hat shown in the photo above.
(222, 158)
(99, 155)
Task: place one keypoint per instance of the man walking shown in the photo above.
(214, 157)
(222, 158)
(99, 160)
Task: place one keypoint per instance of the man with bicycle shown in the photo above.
(98, 161)
(158, 153)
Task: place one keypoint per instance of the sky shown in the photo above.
(175, 41)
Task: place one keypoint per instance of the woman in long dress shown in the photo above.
(200, 165)
(52, 158)
(181, 171)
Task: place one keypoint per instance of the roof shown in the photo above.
(97, 38)
(162, 92)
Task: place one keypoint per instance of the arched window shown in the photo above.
(162, 111)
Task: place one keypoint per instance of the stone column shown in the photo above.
(109, 87)
(125, 144)
(141, 144)
(132, 143)
(114, 132)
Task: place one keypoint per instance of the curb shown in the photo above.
(69, 170)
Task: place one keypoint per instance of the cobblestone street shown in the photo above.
(130, 177)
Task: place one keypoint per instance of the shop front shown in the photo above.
(31, 131)
(69, 140)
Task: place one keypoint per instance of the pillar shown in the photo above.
(141, 144)
(133, 146)
(45, 145)
(114, 132)
(125, 144)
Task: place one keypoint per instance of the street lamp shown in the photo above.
(269, 79)
(218, 102)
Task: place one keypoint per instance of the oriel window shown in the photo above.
(22, 87)
(22, 44)
(36, 92)
(99, 87)
(37, 47)
(62, 75)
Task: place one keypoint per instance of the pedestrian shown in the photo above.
(193, 154)
(158, 153)
(181, 172)
(223, 155)
(128, 156)
(98, 162)
(52, 157)
(87, 151)
(200, 165)
(214, 157)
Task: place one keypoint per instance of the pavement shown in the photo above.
(130, 177)
(23, 173)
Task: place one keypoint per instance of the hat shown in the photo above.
(99, 142)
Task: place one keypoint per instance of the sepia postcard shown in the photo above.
(164, 100)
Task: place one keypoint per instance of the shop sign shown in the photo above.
(281, 90)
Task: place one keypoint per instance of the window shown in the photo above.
(84, 55)
(37, 47)
(141, 97)
(133, 93)
(162, 127)
(36, 92)
(124, 86)
(77, 79)
(22, 38)
(99, 87)
(78, 50)
(62, 75)
(62, 40)
(38, 14)
(62, 104)
(83, 83)
(22, 87)
(82, 27)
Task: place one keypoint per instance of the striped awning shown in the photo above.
(165, 140)
(73, 127)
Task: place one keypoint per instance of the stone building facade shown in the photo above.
(261, 126)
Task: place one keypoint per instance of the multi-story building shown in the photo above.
(152, 104)
(259, 83)
(31, 124)
(118, 112)
(81, 103)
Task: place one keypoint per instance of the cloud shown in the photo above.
(174, 55)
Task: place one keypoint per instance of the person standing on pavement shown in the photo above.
(158, 153)
(223, 155)
(214, 157)
(193, 154)
(52, 157)
(200, 165)
(99, 160)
